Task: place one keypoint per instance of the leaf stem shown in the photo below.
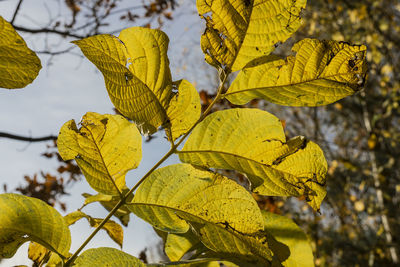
(223, 78)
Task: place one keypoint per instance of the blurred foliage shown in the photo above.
(361, 139)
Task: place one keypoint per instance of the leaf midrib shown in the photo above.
(101, 156)
(298, 83)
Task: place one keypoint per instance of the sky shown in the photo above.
(67, 87)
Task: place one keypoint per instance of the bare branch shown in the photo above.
(47, 30)
(16, 11)
(28, 139)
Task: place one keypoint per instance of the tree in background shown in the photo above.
(359, 224)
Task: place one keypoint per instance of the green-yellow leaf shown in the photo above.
(19, 65)
(113, 229)
(37, 253)
(24, 219)
(105, 147)
(184, 109)
(287, 232)
(109, 202)
(177, 245)
(320, 73)
(180, 190)
(239, 31)
(136, 72)
(107, 257)
(274, 165)
(229, 244)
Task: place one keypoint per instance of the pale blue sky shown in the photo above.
(67, 89)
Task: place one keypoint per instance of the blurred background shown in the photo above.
(360, 135)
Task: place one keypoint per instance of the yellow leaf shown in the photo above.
(321, 73)
(240, 31)
(274, 166)
(105, 147)
(37, 253)
(228, 243)
(372, 140)
(177, 245)
(106, 257)
(136, 71)
(287, 232)
(24, 219)
(206, 195)
(184, 109)
(359, 206)
(19, 65)
(222, 213)
(113, 229)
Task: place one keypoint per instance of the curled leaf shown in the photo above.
(136, 71)
(105, 147)
(25, 219)
(320, 73)
(239, 31)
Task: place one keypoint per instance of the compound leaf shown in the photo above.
(179, 189)
(107, 257)
(285, 231)
(105, 148)
(240, 31)
(24, 219)
(184, 109)
(274, 166)
(19, 65)
(320, 73)
(136, 72)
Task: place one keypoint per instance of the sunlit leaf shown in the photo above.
(240, 31)
(136, 73)
(177, 245)
(287, 232)
(113, 229)
(107, 257)
(252, 141)
(184, 109)
(222, 213)
(181, 188)
(19, 65)
(105, 148)
(24, 219)
(320, 73)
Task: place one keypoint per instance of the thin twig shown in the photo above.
(27, 139)
(16, 11)
(47, 30)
